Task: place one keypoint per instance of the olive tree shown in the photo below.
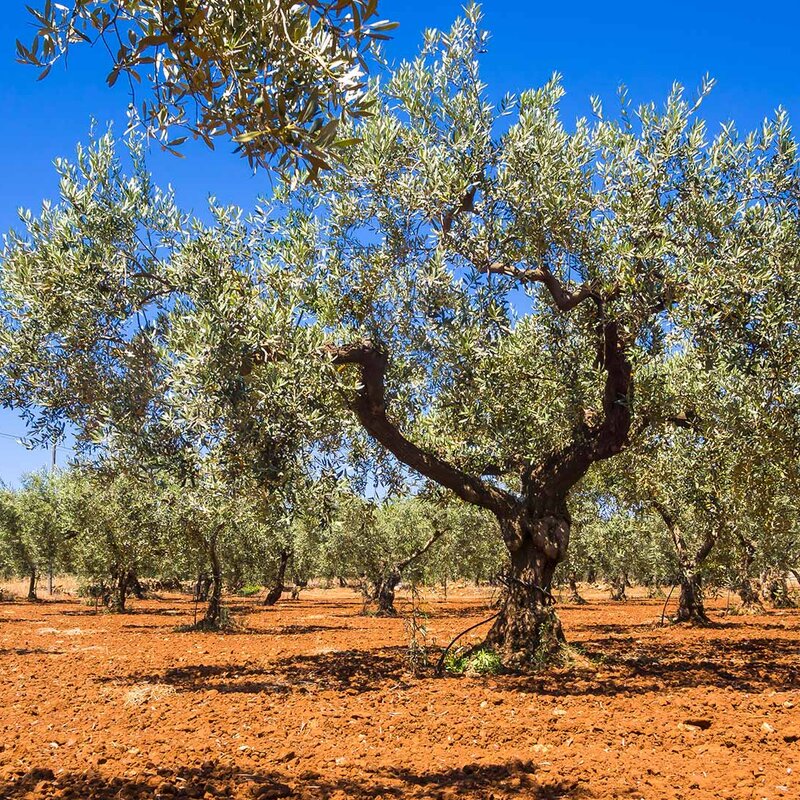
(32, 529)
(486, 294)
(117, 538)
(141, 327)
(496, 288)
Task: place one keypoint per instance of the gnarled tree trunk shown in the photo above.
(618, 586)
(748, 588)
(691, 607)
(297, 586)
(202, 587)
(275, 592)
(574, 594)
(137, 588)
(777, 590)
(527, 633)
(383, 594)
(32, 584)
(211, 619)
(120, 595)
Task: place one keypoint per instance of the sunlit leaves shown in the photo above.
(276, 76)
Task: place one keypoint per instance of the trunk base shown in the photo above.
(527, 634)
(576, 599)
(750, 607)
(779, 595)
(749, 595)
(574, 595)
(384, 594)
(273, 595)
(528, 639)
(690, 607)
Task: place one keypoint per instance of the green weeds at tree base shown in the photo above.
(471, 662)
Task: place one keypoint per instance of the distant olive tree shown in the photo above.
(32, 530)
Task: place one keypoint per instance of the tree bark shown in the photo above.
(120, 595)
(32, 596)
(691, 607)
(574, 594)
(211, 619)
(385, 591)
(136, 587)
(203, 587)
(748, 589)
(777, 590)
(274, 594)
(297, 586)
(527, 633)
(618, 586)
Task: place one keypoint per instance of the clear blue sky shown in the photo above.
(752, 51)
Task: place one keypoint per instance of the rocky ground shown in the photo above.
(311, 699)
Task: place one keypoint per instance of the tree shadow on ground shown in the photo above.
(319, 607)
(294, 630)
(355, 670)
(615, 628)
(205, 677)
(478, 780)
(751, 624)
(352, 671)
(627, 665)
(27, 651)
(480, 610)
(608, 665)
(471, 782)
(89, 611)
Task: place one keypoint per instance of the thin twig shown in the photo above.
(664, 610)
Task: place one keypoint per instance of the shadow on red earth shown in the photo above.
(294, 630)
(27, 651)
(346, 670)
(470, 782)
(628, 666)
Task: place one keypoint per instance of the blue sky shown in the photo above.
(596, 46)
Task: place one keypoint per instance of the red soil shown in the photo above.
(315, 701)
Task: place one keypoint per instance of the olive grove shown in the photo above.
(583, 330)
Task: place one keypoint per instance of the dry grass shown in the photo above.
(147, 693)
(63, 586)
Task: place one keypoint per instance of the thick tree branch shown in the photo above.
(553, 477)
(370, 408)
(706, 546)
(565, 300)
(662, 512)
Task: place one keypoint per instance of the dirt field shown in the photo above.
(315, 701)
